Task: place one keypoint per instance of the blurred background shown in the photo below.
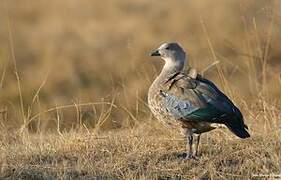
(59, 57)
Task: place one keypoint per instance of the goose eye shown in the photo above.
(168, 48)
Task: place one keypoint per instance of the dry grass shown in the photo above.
(74, 79)
(144, 152)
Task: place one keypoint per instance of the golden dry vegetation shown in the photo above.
(74, 77)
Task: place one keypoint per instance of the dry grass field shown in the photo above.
(74, 77)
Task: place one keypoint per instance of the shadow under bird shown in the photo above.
(184, 99)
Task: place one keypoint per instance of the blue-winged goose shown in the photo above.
(185, 99)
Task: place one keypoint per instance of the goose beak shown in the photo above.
(155, 53)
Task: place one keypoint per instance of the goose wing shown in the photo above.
(199, 99)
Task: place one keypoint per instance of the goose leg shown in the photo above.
(197, 144)
(189, 136)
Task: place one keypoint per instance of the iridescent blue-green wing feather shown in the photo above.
(200, 100)
(233, 118)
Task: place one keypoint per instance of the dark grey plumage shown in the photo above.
(194, 103)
